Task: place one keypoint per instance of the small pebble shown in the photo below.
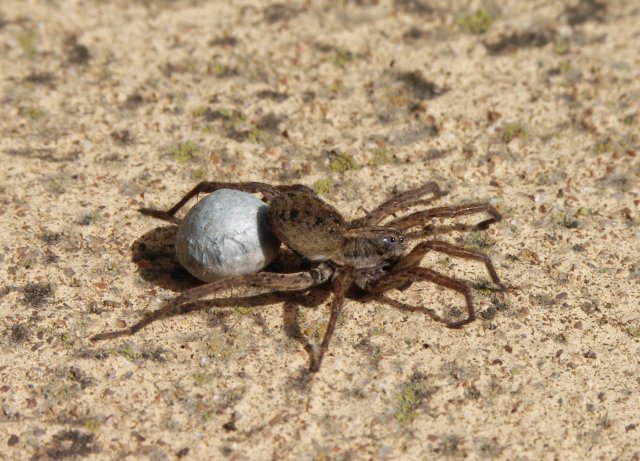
(226, 233)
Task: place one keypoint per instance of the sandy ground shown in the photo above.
(108, 106)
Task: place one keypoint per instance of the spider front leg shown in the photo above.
(400, 201)
(267, 281)
(420, 250)
(415, 274)
(207, 187)
(423, 217)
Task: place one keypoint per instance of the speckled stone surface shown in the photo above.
(226, 233)
(110, 106)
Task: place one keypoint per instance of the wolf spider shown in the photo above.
(363, 252)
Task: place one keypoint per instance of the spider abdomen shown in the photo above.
(307, 225)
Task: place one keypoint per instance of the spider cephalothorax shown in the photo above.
(364, 252)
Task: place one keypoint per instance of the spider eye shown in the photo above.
(401, 239)
(392, 240)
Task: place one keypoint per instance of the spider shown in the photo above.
(363, 253)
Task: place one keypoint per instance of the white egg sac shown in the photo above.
(226, 233)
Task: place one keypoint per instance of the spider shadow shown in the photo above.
(293, 302)
(155, 256)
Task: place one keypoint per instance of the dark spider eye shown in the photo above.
(391, 240)
(401, 239)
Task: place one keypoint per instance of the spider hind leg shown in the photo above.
(267, 281)
(206, 187)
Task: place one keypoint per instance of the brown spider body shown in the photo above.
(364, 252)
(314, 229)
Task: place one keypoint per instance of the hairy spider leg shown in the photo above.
(403, 200)
(416, 274)
(423, 217)
(418, 252)
(266, 280)
(341, 284)
(207, 187)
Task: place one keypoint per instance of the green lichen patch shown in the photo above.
(27, 39)
(407, 401)
(379, 156)
(609, 145)
(185, 151)
(341, 162)
(199, 174)
(565, 67)
(220, 70)
(634, 331)
(561, 47)
(201, 111)
(479, 240)
(259, 136)
(477, 23)
(236, 126)
(67, 340)
(243, 310)
(33, 112)
(569, 73)
(340, 57)
(323, 186)
(129, 352)
(200, 378)
(92, 424)
(233, 346)
(513, 131)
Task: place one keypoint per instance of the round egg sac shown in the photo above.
(226, 233)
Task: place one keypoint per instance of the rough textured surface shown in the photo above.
(107, 107)
(226, 233)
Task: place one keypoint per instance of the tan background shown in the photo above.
(112, 105)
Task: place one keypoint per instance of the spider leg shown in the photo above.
(265, 280)
(421, 249)
(207, 187)
(341, 284)
(415, 274)
(291, 312)
(423, 217)
(392, 205)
